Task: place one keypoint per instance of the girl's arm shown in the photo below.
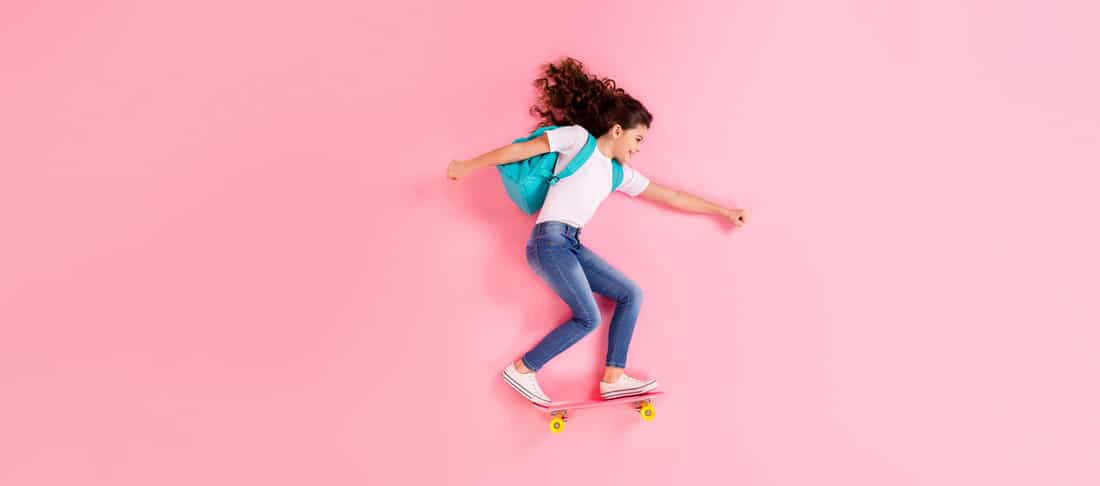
(504, 155)
(689, 202)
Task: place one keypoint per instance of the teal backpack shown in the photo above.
(527, 181)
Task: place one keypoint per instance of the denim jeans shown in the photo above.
(573, 271)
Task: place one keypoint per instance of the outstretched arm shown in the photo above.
(512, 152)
(689, 202)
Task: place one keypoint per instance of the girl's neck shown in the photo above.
(604, 145)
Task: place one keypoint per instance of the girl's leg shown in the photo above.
(607, 281)
(554, 259)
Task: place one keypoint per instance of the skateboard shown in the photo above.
(559, 410)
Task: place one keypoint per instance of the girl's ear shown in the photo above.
(616, 130)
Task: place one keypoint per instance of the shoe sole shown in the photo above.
(638, 390)
(523, 391)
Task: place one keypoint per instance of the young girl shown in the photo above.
(579, 104)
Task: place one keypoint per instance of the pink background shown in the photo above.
(231, 256)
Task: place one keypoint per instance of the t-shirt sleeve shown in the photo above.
(567, 139)
(633, 181)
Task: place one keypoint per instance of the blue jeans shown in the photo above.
(574, 272)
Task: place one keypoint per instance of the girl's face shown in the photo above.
(627, 142)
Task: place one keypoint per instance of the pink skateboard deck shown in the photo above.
(559, 410)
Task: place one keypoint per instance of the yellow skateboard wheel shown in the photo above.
(647, 412)
(556, 425)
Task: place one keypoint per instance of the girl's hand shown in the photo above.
(738, 216)
(458, 169)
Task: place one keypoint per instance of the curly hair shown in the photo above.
(567, 95)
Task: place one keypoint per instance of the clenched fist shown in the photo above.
(457, 169)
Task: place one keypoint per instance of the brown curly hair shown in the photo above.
(567, 95)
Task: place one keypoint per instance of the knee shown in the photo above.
(631, 295)
(589, 319)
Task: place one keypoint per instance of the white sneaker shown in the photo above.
(625, 387)
(525, 384)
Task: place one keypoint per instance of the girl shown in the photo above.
(581, 104)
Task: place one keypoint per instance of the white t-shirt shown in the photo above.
(574, 199)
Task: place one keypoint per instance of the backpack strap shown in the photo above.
(577, 161)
